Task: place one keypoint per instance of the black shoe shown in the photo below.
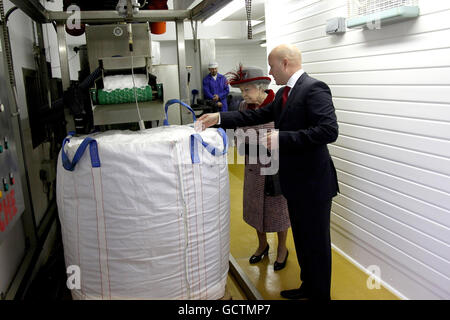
(255, 259)
(280, 265)
(299, 293)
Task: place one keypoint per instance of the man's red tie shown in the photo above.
(285, 95)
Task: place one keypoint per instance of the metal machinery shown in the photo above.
(110, 64)
(108, 45)
(11, 196)
(109, 48)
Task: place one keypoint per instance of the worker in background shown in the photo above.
(303, 112)
(215, 87)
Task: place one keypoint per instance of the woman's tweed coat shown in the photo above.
(264, 213)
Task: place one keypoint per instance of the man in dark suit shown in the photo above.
(304, 114)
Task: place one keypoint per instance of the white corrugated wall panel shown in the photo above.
(391, 92)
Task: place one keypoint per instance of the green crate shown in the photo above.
(119, 96)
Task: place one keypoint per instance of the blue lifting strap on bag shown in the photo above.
(173, 101)
(93, 150)
(195, 138)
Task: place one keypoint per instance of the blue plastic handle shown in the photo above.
(173, 101)
(214, 151)
(93, 149)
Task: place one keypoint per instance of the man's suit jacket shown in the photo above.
(306, 124)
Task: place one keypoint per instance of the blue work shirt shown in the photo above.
(219, 87)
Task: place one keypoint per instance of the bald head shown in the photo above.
(284, 61)
(289, 52)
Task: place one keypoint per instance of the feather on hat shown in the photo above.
(246, 75)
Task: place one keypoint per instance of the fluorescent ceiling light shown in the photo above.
(226, 11)
(256, 22)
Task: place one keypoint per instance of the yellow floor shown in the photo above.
(234, 290)
(348, 282)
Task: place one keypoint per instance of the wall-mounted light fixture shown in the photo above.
(385, 17)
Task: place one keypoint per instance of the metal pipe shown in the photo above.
(182, 73)
(206, 8)
(37, 12)
(63, 56)
(33, 9)
(113, 16)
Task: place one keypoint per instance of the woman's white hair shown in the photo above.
(261, 86)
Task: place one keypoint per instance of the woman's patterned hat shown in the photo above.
(247, 75)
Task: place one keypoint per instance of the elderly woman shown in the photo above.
(265, 211)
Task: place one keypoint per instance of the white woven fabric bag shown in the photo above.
(145, 215)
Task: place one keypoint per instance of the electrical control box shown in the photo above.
(11, 195)
(336, 25)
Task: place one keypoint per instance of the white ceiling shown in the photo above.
(257, 12)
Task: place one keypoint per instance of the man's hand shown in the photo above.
(208, 120)
(270, 140)
(219, 104)
(216, 97)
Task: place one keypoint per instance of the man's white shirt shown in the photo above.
(293, 79)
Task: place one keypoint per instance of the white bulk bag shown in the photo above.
(145, 215)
